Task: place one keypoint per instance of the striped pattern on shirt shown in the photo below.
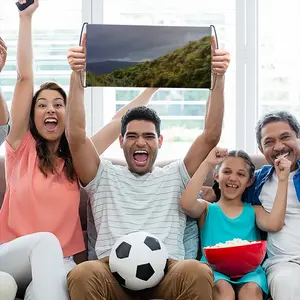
(123, 202)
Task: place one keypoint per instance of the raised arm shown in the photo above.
(3, 107)
(110, 132)
(84, 154)
(22, 98)
(80, 145)
(274, 221)
(189, 200)
(214, 114)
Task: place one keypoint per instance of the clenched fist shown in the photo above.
(216, 156)
(282, 167)
(220, 59)
(77, 56)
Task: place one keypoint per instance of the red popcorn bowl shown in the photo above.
(238, 260)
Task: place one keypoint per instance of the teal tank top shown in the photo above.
(218, 228)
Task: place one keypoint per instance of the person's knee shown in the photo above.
(224, 289)
(80, 273)
(47, 238)
(284, 277)
(250, 289)
(84, 274)
(187, 277)
(47, 242)
(284, 280)
(8, 287)
(194, 269)
(43, 239)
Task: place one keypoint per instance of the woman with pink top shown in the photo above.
(39, 219)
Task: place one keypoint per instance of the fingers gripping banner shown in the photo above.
(149, 56)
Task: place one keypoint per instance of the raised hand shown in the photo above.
(28, 12)
(77, 56)
(220, 59)
(216, 156)
(282, 167)
(3, 54)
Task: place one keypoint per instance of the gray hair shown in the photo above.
(277, 116)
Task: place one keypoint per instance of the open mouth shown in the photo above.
(233, 186)
(140, 157)
(50, 124)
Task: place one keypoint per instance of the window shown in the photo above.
(56, 28)
(182, 110)
(263, 74)
(267, 59)
(278, 56)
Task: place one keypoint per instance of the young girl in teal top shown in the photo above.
(230, 218)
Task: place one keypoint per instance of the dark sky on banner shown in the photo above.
(135, 43)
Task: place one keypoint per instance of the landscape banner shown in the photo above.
(148, 56)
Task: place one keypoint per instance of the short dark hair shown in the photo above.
(140, 113)
(234, 153)
(276, 116)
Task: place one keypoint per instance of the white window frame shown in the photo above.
(88, 99)
(246, 76)
(96, 118)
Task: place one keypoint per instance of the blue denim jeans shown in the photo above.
(191, 239)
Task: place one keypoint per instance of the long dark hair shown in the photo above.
(46, 160)
(234, 153)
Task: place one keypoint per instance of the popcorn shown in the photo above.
(234, 242)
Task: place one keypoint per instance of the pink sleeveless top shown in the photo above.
(35, 203)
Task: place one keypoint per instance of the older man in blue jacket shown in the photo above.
(278, 133)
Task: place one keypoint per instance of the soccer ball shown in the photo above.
(138, 260)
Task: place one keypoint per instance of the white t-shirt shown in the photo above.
(122, 202)
(285, 244)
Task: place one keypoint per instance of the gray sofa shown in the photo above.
(80, 257)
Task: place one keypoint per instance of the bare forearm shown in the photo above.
(189, 199)
(210, 136)
(141, 100)
(3, 110)
(110, 132)
(24, 53)
(75, 123)
(215, 110)
(277, 214)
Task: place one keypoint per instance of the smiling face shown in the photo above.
(278, 138)
(140, 145)
(49, 114)
(233, 177)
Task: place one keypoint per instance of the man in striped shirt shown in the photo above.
(139, 196)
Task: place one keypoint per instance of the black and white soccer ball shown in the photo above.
(138, 260)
